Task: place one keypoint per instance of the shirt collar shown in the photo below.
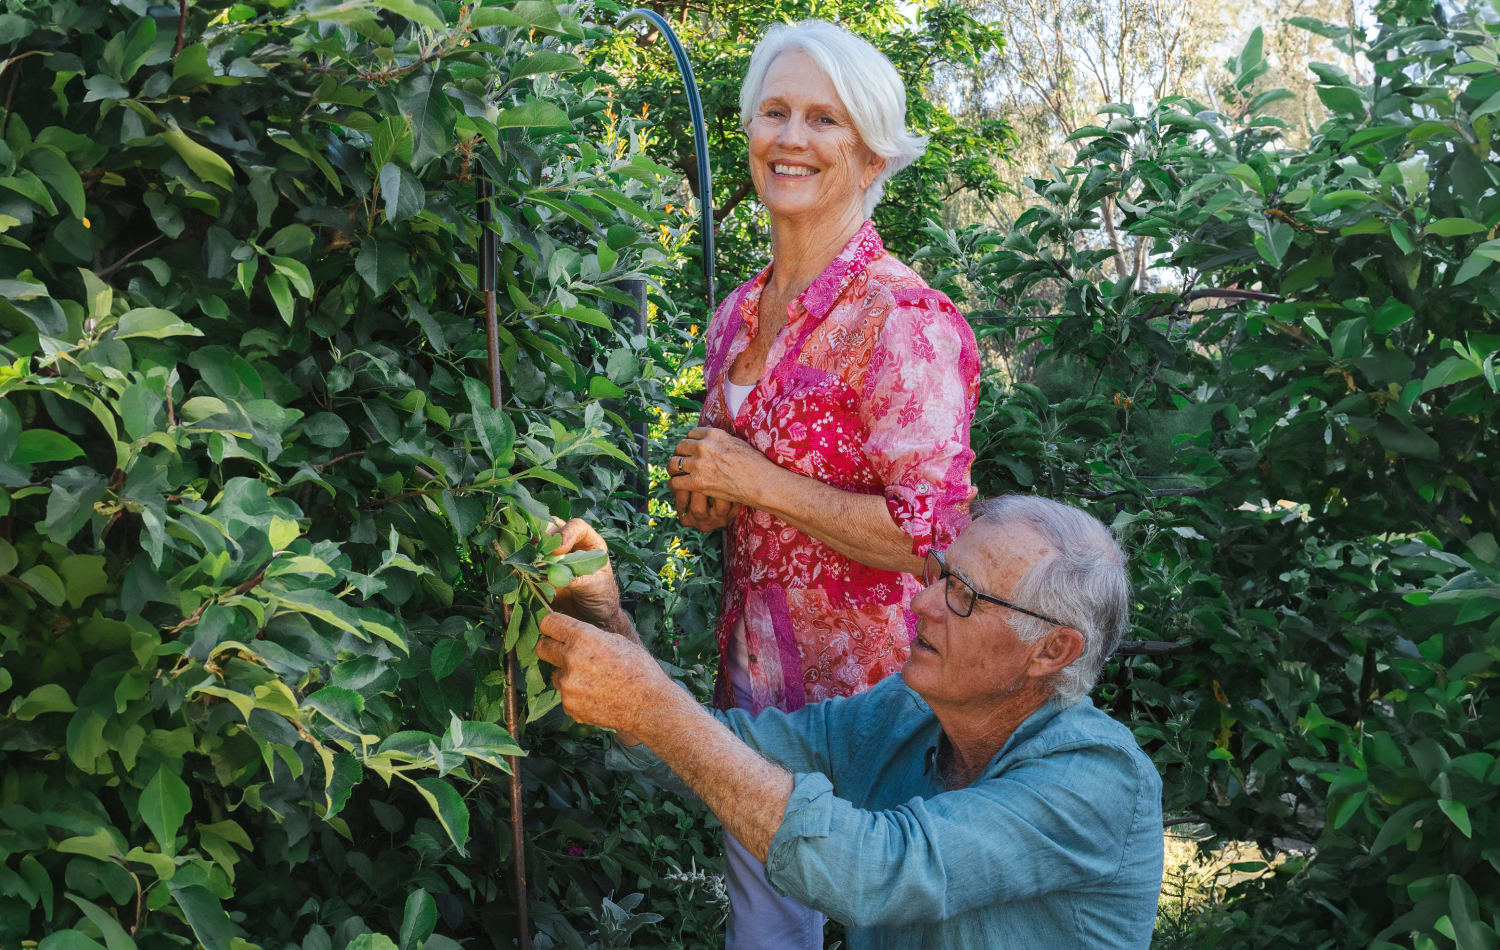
(820, 296)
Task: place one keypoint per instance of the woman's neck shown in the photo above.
(801, 249)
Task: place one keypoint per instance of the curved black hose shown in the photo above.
(700, 142)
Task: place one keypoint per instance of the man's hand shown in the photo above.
(603, 680)
(593, 598)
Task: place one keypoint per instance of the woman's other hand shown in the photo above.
(704, 512)
(722, 470)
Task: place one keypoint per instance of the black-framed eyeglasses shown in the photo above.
(962, 595)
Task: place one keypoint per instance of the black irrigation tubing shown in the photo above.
(700, 142)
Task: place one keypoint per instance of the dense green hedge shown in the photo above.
(262, 532)
(1291, 418)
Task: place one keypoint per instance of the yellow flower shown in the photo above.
(87, 223)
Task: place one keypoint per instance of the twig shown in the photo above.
(339, 458)
(181, 26)
(125, 258)
(1151, 648)
(197, 615)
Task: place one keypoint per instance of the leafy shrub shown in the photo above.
(264, 539)
(1290, 416)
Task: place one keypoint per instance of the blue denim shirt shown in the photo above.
(1057, 844)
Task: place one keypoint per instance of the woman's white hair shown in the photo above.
(1081, 581)
(868, 85)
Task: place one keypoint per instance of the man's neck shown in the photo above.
(801, 249)
(976, 733)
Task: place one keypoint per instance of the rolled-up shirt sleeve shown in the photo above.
(1054, 823)
(919, 397)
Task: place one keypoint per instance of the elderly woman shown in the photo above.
(834, 441)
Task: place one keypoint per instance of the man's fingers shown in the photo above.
(575, 535)
(562, 629)
(551, 651)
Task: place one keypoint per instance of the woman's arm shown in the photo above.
(857, 525)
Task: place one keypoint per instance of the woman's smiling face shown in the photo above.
(806, 159)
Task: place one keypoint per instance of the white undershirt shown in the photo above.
(734, 395)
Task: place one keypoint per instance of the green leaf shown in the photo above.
(154, 323)
(69, 940)
(413, 11)
(205, 915)
(1402, 438)
(1454, 227)
(419, 919)
(341, 706)
(165, 801)
(371, 942)
(204, 162)
(52, 167)
(496, 433)
(403, 193)
(44, 445)
(1343, 99)
(346, 774)
(1392, 314)
(535, 114)
(1458, 813)
(449, 808)
(46, 583)
(47, 698)
(115, 937)
(281, 296)
(381, 263)
(545, 61)
(447, 656)
(325, 429)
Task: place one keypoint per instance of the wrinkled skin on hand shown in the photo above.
(713, 474)
(603, 680)
(592, 597)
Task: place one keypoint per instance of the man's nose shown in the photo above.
(928, 602)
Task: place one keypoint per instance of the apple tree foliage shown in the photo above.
(263, 540)
(1291, 416)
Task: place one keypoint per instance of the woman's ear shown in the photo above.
(873, 169)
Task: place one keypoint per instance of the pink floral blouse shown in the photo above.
(870, 387)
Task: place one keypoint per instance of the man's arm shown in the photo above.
(1071, 820)
(609, 681)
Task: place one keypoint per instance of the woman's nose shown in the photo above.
(792, 133)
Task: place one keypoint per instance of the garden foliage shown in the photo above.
(1291, 419)
(263, 539)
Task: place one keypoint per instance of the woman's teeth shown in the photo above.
(797, 170)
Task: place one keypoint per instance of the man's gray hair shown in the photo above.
(1081, 581)
(867, 83)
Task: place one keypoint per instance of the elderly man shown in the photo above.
(977, 800)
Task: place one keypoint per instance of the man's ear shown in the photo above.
(1058, 651)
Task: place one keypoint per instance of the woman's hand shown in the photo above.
(720, 469)
(703, 512)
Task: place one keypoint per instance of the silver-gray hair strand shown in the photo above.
(1082, 581)
(865, 80)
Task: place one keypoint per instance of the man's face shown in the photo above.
(977, 659)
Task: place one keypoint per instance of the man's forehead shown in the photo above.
(990, 550)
